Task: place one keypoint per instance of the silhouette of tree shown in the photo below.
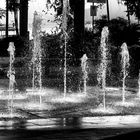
(133, 7)
(56, 4)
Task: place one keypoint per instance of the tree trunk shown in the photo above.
(79, 15)
(24, 18)
(78, 6)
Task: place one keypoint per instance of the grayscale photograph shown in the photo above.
(69, 69)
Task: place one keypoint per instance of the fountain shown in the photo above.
(60, 104)
(139, 85)
(125, 66)
(37, 55)
(11, 74)
(103, 64)
(64, 30)
(84, 70)
(101, 75)
(124, 71)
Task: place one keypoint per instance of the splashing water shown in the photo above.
(64, 29)
(84, 70)
(11, 74)
(125, 65)
(37, 54)
(139, 85)
(104, 61)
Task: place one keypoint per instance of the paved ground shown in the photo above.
(78, 118)
(88, 128)
(71, 134)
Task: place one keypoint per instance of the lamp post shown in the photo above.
(93, 18)
(93, 12)
(7, 18)
(108, 13)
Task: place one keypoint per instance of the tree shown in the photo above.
(24, 19)
(133, 7)
(76, 10)
(56, 4)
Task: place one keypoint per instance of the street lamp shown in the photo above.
(102, 1)
(108, 13)
(7, 18)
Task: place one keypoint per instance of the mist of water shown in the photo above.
(139, 85)
(65, 34)
(104, 62)
(11, 74)
(37, 54)
(84, 67)
(125, 65)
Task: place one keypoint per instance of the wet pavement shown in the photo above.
(71, 134)
(85, 128)
(78, 118)
(111, 122)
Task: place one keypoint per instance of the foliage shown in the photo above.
(51, 45)
(133, 7)
(13, 5)
(91, 44)
(56, 4)
(2, 13)
(120, 31)
(117, 28)
(100, 23)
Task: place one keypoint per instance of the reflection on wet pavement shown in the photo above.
(87, 128)
(130, 121)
